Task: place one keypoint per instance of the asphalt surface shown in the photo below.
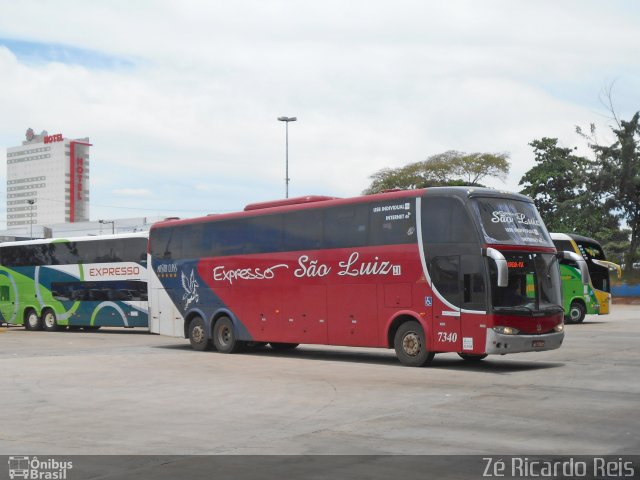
(130, 392)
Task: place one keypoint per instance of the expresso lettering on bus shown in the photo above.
(113, 271)
(220, 274)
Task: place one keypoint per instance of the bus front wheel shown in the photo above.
(32, 321)
(224, 337)
(198, 335)
(49, 321)
(411, 346)
(577, 312)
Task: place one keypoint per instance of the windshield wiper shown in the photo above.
(553, 309)
(515, 309)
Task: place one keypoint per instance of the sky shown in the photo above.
(180, 99)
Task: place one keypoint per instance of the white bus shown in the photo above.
(85, 282)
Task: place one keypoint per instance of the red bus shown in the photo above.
(447, 269)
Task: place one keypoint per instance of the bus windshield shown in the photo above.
(534, 284)
(599, 274)
(510, 221)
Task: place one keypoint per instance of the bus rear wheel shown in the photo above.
(198, 335)
(577, 312)
(32, 321)
(49, 321)
(411, 346)
(224, 337)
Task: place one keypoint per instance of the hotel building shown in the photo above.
(47, 180)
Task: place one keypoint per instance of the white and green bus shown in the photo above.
(83, 282)
(594, 296)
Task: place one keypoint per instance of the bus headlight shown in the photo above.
(559, 328)
(506, 330)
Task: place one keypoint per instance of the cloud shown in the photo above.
(132, 192)
(42, 53)
(374, 84)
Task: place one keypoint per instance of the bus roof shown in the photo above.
(318, 201)
(574, 237)
(44, 241)
(471, 192)
(288, 201)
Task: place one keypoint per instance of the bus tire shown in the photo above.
(411, 345)
(198, 334)
(577, 312)
(49, 320)
(283, 346)
(32, 321)
(224, 337)
(472, 357)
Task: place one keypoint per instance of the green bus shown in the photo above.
(85, 282)
(594, 297)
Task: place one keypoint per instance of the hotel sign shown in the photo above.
(53, 138)
(79, 155)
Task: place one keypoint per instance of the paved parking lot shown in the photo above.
(130, 392)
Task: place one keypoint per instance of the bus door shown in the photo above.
(447, 315)
(7, 301)
(473, 317)
(164, 317)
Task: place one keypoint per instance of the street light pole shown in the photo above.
(112, 222)
(286, 178)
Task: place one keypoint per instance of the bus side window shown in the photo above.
(264, 234)
(227, 238)
(4, 293)
(346, 226)
(445, 272)
(445, 220)
(392, 223)
(303, 230)
(161, 243)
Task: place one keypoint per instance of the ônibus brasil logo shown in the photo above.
(190, 286)
(35, 469)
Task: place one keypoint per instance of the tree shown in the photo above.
(561, 187)
(618, 179)
(477, 166)
(448, 168)
(390, 178)
(615, 244)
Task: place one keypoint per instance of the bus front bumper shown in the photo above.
(498, 343)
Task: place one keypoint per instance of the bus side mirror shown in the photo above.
(582, 265)
(501, 263)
